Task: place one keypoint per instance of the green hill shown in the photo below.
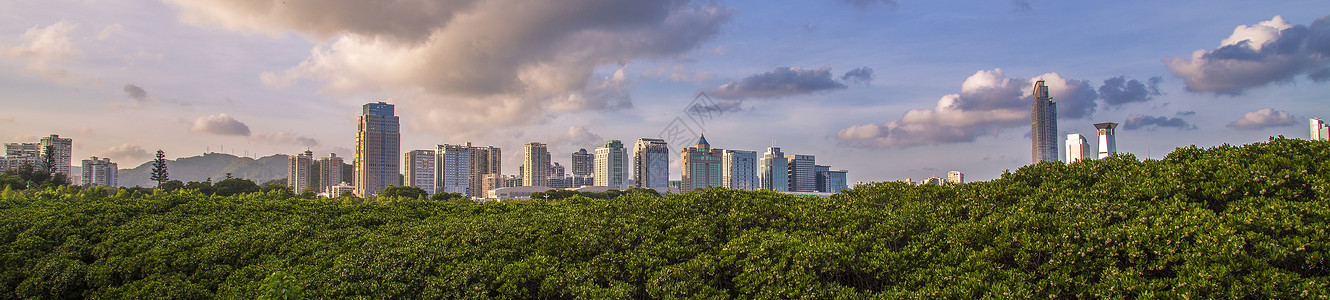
(211, 165)
(1227, 222)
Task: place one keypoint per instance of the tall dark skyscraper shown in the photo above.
(1043, 125)
(378, 146)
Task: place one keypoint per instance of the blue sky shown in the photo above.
(937, 85)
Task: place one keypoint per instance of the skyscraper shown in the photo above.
(419, 170)
(298, 171)
(453, 169)
(651, 163)
(772, 170)
(1319, 130)
(830, 181)
(1043, 125)
(801, 169)
(484, 160)
(701, 166)
(582, 169)
(612, 165)
(63, 152)
(739, 169)
(535, 164)
(330, 173)
(378, 144)
(1108, 144)
(99, 172)
(1077, 147)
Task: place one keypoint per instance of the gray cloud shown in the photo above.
(783, 81)
(1117, 91)
(127, 154)
(503, 62)
(865, 4)
(1138, 121)
(860, 75)
(219, 124)
(283, 138)
(989, 102)
(1263, 118)
(1253, 56)
(135, 92)
(1021, 6)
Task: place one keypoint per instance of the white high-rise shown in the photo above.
(453, 170)
(739, 169)
(772, 170)
(419, 170)
(651, 163)
(19, 154)
(1108, 143)
(611, 165)
(955, 177)
(1077, 147)
(1320, 131)
(298, 171)
(99, 172)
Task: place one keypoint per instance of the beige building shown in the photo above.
(701, 166)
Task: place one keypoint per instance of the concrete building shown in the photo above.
(933, 180)
(955, 177)
(1043, 125)
(583, 169)
(484, 160)
(558, 178)
(535, 164)
(738, 169)
(330, 173)
(516, 192)
(701, 166)
(64, 149)
(773, 171)
(1077, 148)
(651, 163)
(831, 181)
(1320, 131)
(453, 169)
(802, 173)
(341, 189)
(99, 172)
(18, 154)
(1108, 143)
(378, 144)
(419, 170)
(612, 165)
(299, 169)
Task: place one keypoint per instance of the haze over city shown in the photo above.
(884, 89)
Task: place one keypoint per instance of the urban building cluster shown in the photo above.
(93, 171)
(1044, 129)
(1320, 131)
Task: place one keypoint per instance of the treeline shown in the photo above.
(1227, 222)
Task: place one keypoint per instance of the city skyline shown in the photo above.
(894, 89)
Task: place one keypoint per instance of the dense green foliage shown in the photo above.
(1227, 222)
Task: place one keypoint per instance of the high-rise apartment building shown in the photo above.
(651, 163)
(419, 170)
(484, 160)
(558, 178)
(701, 166)
(330, 173)
(1320, 131)
(19, 154)
(583, 169)
(611, 165)
(802, 172)
(1077, 148)
(1108, 142)
(64, 149)
(453, 169)
(1043, 125)
(378, 144)
(99, 172)
(535, 164)
(773, 170)
(298, 171)
(738, 169)
(955, 177)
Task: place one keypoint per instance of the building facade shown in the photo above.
(651, 163)
(1108, 142)
(955, 177)
(378, 144)
(453, 169)
(484, 160)
(535, 164)
(701, 166)
(583, 168)
(1077, 148)
(418, 170)
(63, 152)
(831, 181)
(99, 172)
(299, 169)
(802, 172)
(1320, 131)
(19, 154)
(611, 165)
(773, 171)
(1043, 125)
(738, 169)
(330, 173)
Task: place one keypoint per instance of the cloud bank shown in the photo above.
(789, 81)
(1138, 121)
(219, 124)
(1119, 90)
(1263, 118)
(1268, 52)
(127, 154)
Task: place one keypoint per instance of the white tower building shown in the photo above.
(1077, 147)
(1108, 143)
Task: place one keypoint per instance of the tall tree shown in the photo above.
(159, 173)
(48, 159)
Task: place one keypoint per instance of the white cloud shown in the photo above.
(46, 49)
(1263, 118)
(284, 138)
(1269, 52)
(127, 154)
(219, 124)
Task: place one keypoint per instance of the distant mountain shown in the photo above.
(211, 165)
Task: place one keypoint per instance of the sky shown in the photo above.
(884, 89)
